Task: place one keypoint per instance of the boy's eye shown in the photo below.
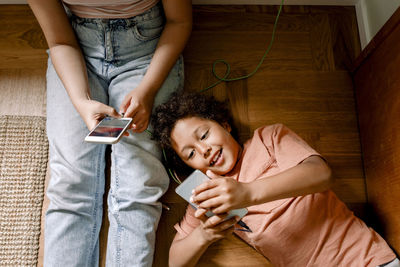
(204, 136)
(191, 154)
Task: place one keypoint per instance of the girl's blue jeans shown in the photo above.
(118, 53)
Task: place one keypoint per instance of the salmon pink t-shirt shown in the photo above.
(312, 230)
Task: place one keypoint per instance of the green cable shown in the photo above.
(228, 67)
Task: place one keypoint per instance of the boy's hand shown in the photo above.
(138, 105)
(214, 228)
(220, 194)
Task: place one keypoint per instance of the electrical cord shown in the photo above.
(228, 66)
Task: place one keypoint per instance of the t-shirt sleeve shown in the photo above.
(286, 146)
(188, 223)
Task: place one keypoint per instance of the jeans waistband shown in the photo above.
(152, 13)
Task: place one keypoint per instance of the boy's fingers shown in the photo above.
(203, 196)
(220, 209)
(204, 186)
(214, 220)
(200, 212)
(213, 204)
(229, 224)
(211, 174)
(208, 203)
(223, 225)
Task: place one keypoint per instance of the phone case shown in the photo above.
(192, 181)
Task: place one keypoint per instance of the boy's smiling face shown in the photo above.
(205, 144)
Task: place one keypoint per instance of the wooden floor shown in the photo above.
(303, 83)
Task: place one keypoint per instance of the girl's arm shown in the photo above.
(186, 251)
(138, 103)
(223, 194)
(67, 59)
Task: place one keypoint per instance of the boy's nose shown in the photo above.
(205, 150)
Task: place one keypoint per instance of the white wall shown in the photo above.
(378, 12)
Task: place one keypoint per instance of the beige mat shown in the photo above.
(23, 161)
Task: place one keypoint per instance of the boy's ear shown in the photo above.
(226, 126)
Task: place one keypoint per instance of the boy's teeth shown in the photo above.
(215, 159)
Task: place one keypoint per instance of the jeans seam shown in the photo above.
(95, 207)
(116, 214)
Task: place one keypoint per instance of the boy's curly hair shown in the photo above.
(183, 105)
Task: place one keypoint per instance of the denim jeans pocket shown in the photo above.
(149, 29)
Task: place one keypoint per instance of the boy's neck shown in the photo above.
(236, 167)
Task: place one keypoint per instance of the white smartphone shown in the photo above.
(191, 182)
(109, 130)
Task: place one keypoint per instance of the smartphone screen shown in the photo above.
(109, 127)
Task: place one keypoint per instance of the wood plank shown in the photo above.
(238, 98)
(290, 51)
(244, 20)
(321, 42)
(23, 44)
(377, 83)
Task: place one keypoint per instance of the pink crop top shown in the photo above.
(109, 9)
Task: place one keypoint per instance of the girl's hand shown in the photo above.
(92, 112)
(138, 105)
(220, 194)
(214, 228)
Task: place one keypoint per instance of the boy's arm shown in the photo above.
(223, 194)
(310, 176)
(186, 251)
(138, 103)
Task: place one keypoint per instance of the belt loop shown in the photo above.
(129, 22)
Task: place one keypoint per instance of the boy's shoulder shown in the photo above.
(265, 133)
(270, 130)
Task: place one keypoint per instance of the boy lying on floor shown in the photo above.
(284, 183)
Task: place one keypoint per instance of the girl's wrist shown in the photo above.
(80, 104)
(80, 100)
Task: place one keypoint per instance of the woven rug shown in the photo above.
(23, 162)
